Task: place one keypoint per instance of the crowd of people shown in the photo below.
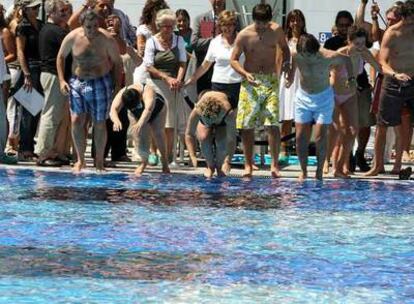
(167, 84)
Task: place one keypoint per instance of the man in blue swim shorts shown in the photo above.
(315, 98)
(96, 77)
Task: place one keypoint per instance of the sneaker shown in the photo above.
(8, 160)
(153, 160)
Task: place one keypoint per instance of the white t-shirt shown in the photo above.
(152, 45)
(144, 31)
(220, 53)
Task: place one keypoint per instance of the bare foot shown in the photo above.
(226, 167)
(340, 174)
(406, 157)
(302, 176)
(248, 171)
(193, 161)
(208, 173)
(139, 170)
(274, 171)
(166, 169)
(319, 174)
(255, 168)
(373, 172)
(78, 166)
(326, 167)
(220, 173)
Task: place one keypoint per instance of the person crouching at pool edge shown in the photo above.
(147, 113)
(211, 121)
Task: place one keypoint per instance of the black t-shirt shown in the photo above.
(27, 30)
(336, 43)
(50, 39)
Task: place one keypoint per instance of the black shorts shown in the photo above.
(232, 90)
(394, 96)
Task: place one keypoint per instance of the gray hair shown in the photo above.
(164, 14)
(51, 5)
(89, 14)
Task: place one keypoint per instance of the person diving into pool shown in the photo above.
(210, 121)
(148, 113)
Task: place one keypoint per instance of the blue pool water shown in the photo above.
(179, 239)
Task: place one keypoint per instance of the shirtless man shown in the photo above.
(397, 59)
(315, 97)
(259, 102)
(95, 54)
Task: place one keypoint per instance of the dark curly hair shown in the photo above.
(150, 10)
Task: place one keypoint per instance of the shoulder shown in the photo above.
(143, 30)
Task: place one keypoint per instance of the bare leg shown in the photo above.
(273, 135)
(285, 130)
(79, 140)
(231, 141)
(100, 137)
(333, 142)
(222, 143)
(398, 149)
(160, 139)
(349, 130)
(169, 135)
(303, 132)
(248, 141)
(321, 141)
(380, 138)
(206, 144)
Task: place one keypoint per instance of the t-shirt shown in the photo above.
(50, 39)
(335, 43)
(27, 30)
(219, 53)
(144, 31)
(153, 45)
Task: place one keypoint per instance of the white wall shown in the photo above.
(320, 14)
(134, 7)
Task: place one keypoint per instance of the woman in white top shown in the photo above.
(166, 59)
(224, 79)
(145, 30)
(296, 26)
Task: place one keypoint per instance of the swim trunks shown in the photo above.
(394, 95)
(316, 108)
(92, 96)
(259, 105)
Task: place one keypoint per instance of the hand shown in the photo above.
(28, 85)
(250, 78)
(375, 10)
(173, 83)
(64, 88)
(402, 77)
(90, 3)
(117, 125)
(136, 129)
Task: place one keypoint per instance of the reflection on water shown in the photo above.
(69, 261)
(200, 198)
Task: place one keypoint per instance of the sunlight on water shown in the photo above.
(180, 239)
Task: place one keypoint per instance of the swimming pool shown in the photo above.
(180, 239)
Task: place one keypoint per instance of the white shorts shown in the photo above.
(316, 108)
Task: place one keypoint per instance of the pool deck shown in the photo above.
(287, 172)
